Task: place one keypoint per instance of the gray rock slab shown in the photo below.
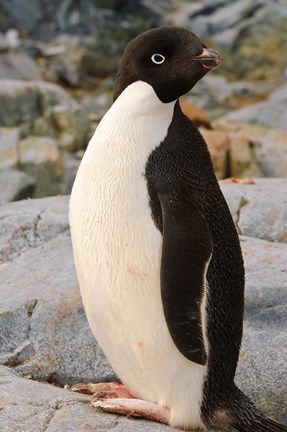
(41, 158)
(254, 145)
(43, 328)
(45, 109)
(43, 325)
(71, 165)
(259, 210)
(28, 224)
(15, 185)
(264, 347)
(9, 141)
(280, 94)
(18, 65)
(271, 113)
(29, 406)
(216, 17)
(242, 30)
(218, 96)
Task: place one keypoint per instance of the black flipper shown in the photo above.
(186, 251)
(244, 417)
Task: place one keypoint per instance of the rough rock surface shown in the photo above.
(271, 113)
(39, 123)
(255, 150)
(9, 140)
(218, 96)
(259, 210)
(15, 185)
(41, 158)
(44, 332)
(73, 17)
(18, 65)
(29, 406)
(50, 339)
(250, 35)
(43, 109)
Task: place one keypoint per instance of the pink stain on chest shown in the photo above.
(136, 274)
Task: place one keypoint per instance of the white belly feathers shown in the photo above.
(117, 251)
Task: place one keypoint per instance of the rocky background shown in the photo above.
(58, 60)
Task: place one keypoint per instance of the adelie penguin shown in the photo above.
(156, 252)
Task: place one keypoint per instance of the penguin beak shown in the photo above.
(209, 58)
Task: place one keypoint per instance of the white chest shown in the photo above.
(117, 251)
(117, 247)
(109, 209)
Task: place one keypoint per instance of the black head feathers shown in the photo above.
(170, 59)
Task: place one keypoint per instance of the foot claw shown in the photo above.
(82, 388)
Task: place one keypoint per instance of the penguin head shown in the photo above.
(170, 59)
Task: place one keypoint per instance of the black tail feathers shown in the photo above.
(244, 417)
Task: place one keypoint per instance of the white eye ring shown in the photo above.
(155, 59)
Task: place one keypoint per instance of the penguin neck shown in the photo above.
(134, 126)
(139, 98)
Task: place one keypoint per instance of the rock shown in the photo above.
(98, 104)
(46, 334)
(9, 142)
(30, 406)
(65, 116)
(28, 224)
(242, 159)
(71, 165)
(265, 336)
(18, 65)
(74, 126)
(15, 185)
(227, 38)
(40, 157)
(45, 303)
(259, 210)
(265, 149)
(9, 40)
(250, 35)
(19, 103)
(27, 14)
(279, 94)
(40, 108)
(204, 96)
(73, 63)
(219, 16)
(271, 113)
(218, 144)
(76, 18)
(218, 96)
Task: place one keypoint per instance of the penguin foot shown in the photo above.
(111, 390)
(134, 408)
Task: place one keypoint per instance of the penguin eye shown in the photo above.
(158, 58)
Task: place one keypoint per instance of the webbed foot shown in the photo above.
(134, 408)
